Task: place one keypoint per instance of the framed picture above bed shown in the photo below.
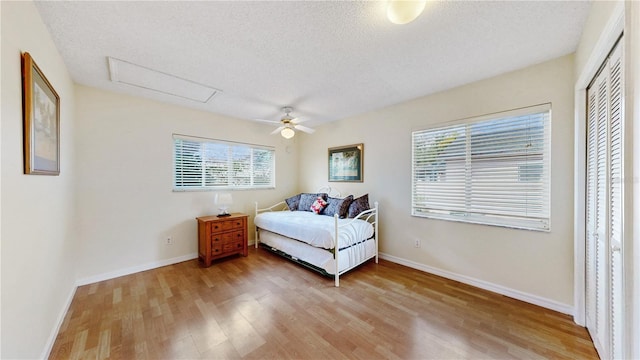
(41, 116)
(346, 163)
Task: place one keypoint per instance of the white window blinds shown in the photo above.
(490, 170)
(201, 164)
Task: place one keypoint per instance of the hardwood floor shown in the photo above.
(264, 306)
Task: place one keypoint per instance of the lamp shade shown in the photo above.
(223, 201)
(404, 11)
(287, 133)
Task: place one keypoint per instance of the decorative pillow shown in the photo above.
(359, 205)
(318, 205)
(306, 200)
(293, 202)
(338, 206)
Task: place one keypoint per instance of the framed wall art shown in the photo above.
(345, 163)
(41, 121)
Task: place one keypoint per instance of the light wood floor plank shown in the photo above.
(264, 307)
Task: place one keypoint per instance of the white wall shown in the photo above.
(126, 206)
(537, 265)
(38, 236)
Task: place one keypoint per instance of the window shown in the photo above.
(201, 164)
(491, 170)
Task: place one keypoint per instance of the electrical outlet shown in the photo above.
(416, 243)
(169, 240)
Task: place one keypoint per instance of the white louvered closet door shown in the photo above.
(604, 207)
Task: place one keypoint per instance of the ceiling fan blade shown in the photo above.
(305, 129)
(298, 120)
(267, 121)
(276, 131)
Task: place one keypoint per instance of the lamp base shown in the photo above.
(223, 215)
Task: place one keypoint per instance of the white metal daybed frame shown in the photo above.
(370, 216)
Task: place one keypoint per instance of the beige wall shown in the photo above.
(126, 206)
(38, 219)
(536, 264)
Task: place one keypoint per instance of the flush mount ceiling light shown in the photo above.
(403, 11)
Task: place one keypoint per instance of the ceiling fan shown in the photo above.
(288, 124)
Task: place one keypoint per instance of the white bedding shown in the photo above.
(315, 230)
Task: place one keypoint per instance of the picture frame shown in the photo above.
(41, 121)
(346, 163)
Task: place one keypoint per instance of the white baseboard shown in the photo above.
(516, 294)
(54, 332)
(135, 269)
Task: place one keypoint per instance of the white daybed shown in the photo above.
(308, 238)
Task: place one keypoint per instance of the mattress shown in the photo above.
(315, 230)
(318, 257)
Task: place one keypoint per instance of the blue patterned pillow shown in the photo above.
(293, 202)
(338, 206)
(306, 200)
(359, 205)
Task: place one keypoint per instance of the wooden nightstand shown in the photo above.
(221, 236)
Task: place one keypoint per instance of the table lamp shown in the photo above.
(223, 201)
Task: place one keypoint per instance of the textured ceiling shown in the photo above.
(329, 60)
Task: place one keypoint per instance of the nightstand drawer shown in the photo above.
(228, 236)
(231, 247)
(227, 225)
(225, 247)
(216, 249)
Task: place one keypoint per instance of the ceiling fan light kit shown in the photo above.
(288, 124)
(404, 11)
(287, 133)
